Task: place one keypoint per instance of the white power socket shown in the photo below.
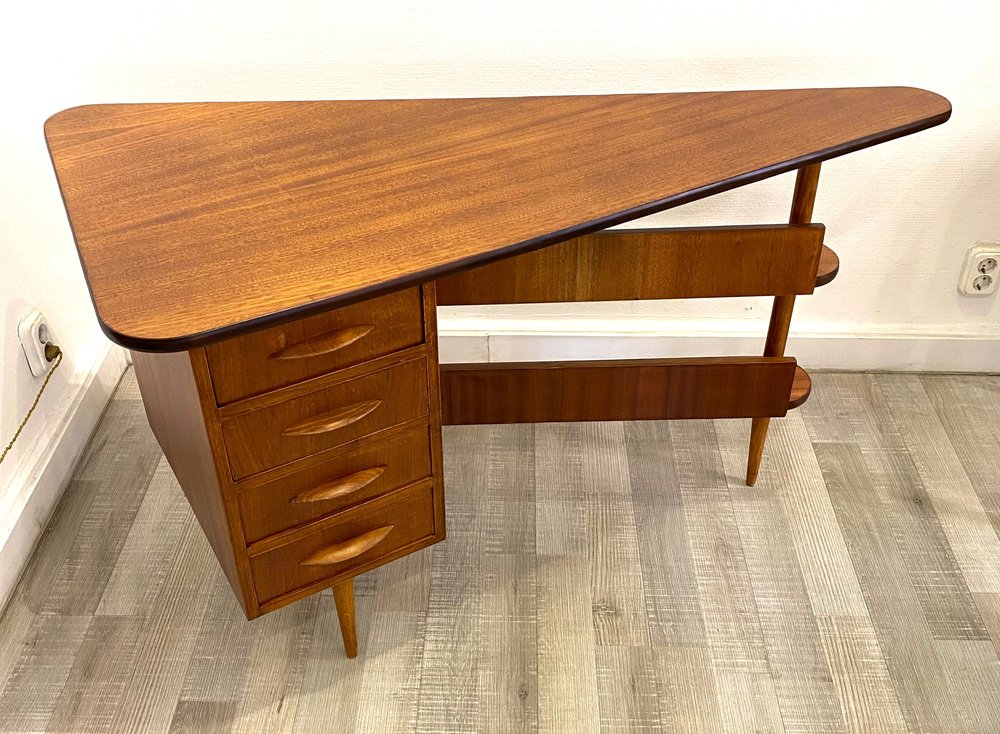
(981, 270)
(33, 333)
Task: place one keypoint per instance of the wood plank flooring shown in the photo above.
(609, 577)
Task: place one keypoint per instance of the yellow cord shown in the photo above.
(52, 353)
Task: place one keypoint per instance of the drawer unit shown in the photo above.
(310, 467)
(277, 434)
(347, 479)
(361, 537)
(264, 360)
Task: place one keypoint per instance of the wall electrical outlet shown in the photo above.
(981, 270)
(33, 333)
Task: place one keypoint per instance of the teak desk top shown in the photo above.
(200, 221)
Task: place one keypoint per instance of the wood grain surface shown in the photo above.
(360, 535)
(283, 355)
(360, 473)
(626, 265)
(192, 444)
(597, 577)
(608, 390)
(260, 439)
(197, 221)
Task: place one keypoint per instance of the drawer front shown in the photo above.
(341, 482)
(283, 355)
(281, 433)
(364, 535)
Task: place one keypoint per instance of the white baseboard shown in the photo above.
(889, 348)
(47, 471)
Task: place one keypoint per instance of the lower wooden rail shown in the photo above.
(540, 392)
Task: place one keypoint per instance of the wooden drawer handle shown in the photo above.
(331, 421)
(324, 343)
(339, 487)
(348, 549)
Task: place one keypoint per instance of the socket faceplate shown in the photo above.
(33, 333)
(981, 270)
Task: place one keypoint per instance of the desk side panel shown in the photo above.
(170, 395)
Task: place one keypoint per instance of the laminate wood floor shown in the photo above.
(612, 577)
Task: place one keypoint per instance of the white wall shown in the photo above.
(899, 215)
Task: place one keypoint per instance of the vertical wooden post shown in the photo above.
(806, 182)
(343, 597)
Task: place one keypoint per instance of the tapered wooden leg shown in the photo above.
(758, 433)
(343, 596)
(806, 182)
(777, 335)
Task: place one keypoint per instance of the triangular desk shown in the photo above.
(275, 268)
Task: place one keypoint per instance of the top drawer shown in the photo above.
(283, 355)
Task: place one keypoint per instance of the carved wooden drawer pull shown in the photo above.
(339, 487)
(332, 420)
(348, 549)
(323, 343)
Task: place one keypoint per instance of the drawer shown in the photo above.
(277, 434)
(345, 480)
(365, 534)
(283, 355)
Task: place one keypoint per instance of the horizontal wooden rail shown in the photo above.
(623, 265)
(540, 392)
